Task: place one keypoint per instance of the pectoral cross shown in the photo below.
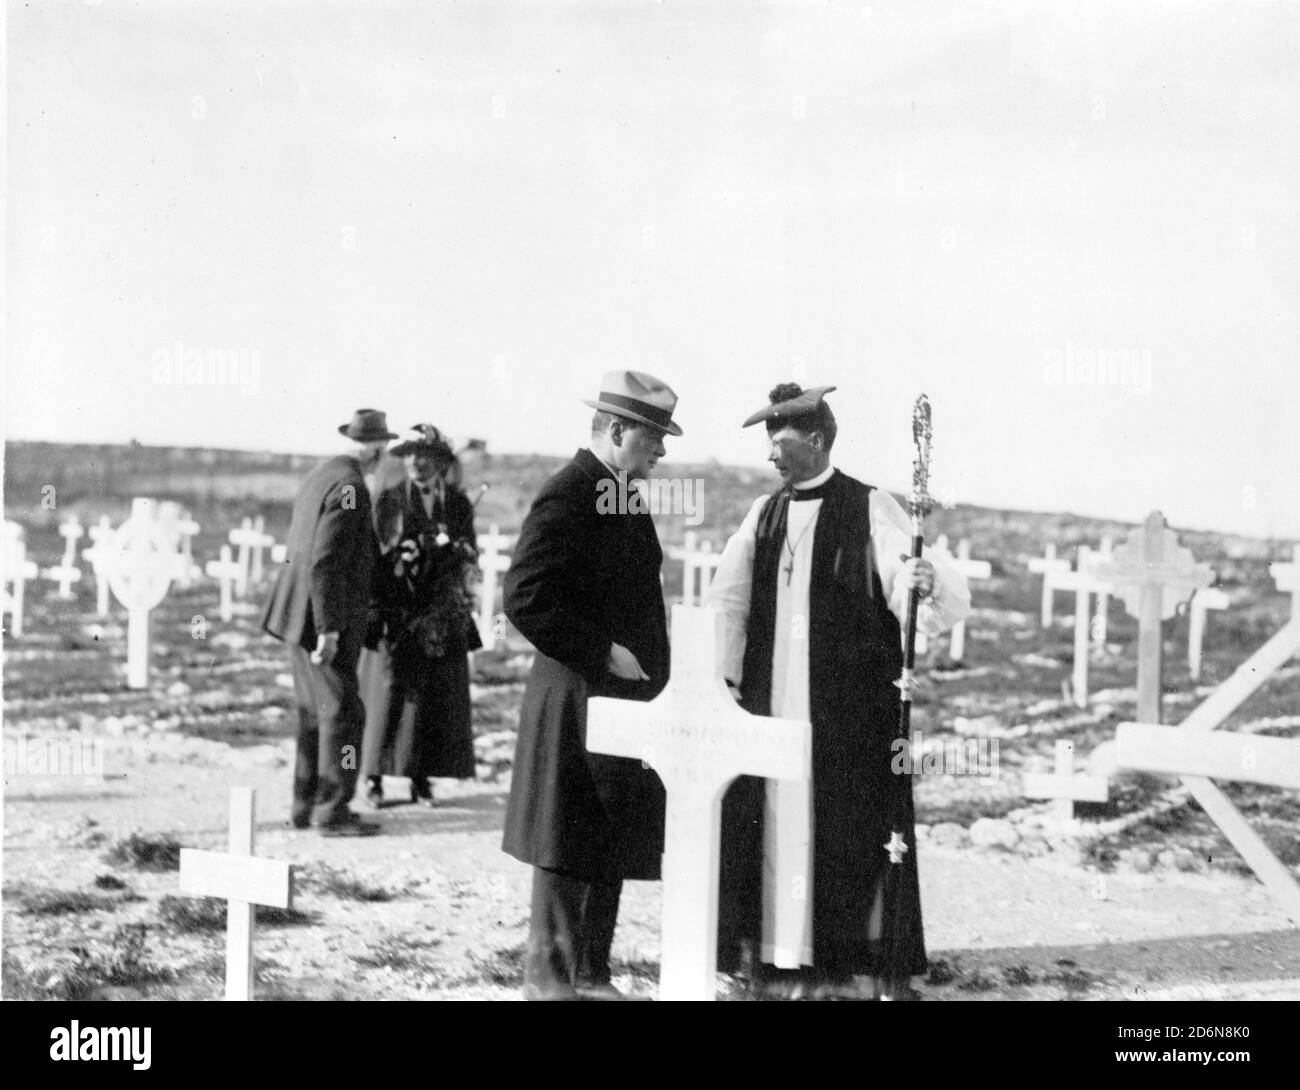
(789, 571)
(896, 847)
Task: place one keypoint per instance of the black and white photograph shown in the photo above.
(591, 501)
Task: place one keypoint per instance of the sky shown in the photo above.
(1075, 227)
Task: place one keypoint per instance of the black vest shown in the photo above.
(854, 640)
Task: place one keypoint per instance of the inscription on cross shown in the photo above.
(1156, 574)
(698, 740)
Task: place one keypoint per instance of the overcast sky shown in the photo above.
(1076, 227)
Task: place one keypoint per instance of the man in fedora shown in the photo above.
(583, 587)
(319, 608)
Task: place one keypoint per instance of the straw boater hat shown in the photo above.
(637, 396)
(367, 425)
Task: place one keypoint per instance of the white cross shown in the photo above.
(1083, 582)
(67, 572)
(698, 739)
(17, 571)
(141, 564)
(1045, 566)
(1156, 574)
(1102, 616)
(698, 560)
(187, 528)
(261, 541)
(1191, 751)
(1204, 599)
(1287, 577)
(100, 535)
(1064, 786)
(491, 562)
(227, 571)
(245, 537)
(244, 880)
(971, 569)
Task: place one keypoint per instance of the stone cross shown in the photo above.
(698, 739)
(1203, 600)
(1197, 755)
(1155, 574)
(67, 571)
(1064, 786)
(492, 562)
(1287, 577)
(141, 564)
(17, 571)
(971, 569)
(1045, 566)
(227, 571)
(100, 535)
(245, 537)
(243, 880)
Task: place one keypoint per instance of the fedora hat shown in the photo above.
(637, 396)
(367, 425)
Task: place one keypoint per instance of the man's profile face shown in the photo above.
(639, 449)
(796, 455)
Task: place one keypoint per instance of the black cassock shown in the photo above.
(854, 658)
(415, 682)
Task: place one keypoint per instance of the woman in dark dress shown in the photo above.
(415, 677)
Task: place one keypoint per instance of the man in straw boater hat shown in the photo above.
(415, 673)
(584, 588)
(814, 587)
(319, 607)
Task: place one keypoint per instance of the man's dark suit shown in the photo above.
(324, 586)
(581, 580)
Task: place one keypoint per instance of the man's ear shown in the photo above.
(616, 432)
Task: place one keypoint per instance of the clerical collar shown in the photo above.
(814, 488)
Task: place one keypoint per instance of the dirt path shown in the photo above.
(434, 909)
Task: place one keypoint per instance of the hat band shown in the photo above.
(660, 417)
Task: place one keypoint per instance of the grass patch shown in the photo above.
(110, 882)
(120, 960)
(399, 952)
(503, 967)
(152, 853)
(190, 915)
(330, 881)
(64, 902)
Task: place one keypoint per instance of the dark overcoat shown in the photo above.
(582, 578)
(324, 583)
(418, 712)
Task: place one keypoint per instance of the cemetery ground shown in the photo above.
(1142, 898)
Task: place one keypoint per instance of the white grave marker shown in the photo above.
(141, 564)
(1287, 577)
(244, 880)
(492, 562)
(698, 739)
(1084, 583)
(1045, 566)
(97, 554)
(187, 528)
(1156, 574)
(1191, 751)
(67, 572)
(227, 571)
(1064, 786)
(261, 541)
(971, 569)
(244, 537)
(1203, 600)
(699, 563)
(18, 570)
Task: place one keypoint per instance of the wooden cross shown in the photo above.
(141, 564)
(100, 534)
(245, 537)
(1102, 556)
(1287, 577)
(1046, 565)
(187, 528)
(1205, 599)
(1191, 751)
(1064, 786)
(1156, 574)
(492, 562)
(698, 739)
(971, 569)
(1083, 582)
(244, 880)
(261, 541)
(67, 572)
(227, 571)
(17, 571)
(697, 560)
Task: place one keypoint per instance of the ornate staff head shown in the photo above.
(920, 499)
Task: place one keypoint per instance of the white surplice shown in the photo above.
(788, 818)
